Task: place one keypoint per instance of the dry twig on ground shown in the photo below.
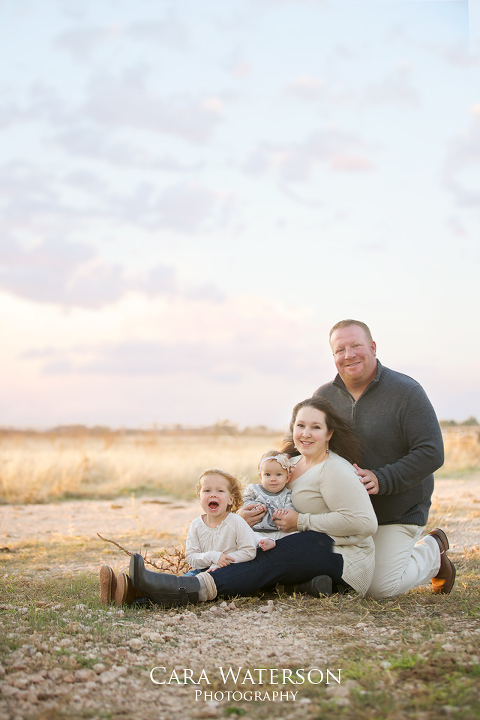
(172, 560)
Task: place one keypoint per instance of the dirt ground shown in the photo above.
(85, 661)
(151, 518)
(455, 500)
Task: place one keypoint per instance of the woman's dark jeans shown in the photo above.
(295, 559)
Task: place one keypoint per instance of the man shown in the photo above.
(401, 447)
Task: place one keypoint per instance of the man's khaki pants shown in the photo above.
(402, 560)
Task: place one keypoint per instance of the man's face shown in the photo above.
(354, 355)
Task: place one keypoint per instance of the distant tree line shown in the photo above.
(222, 427)
(471, 421)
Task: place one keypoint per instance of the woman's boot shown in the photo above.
(126, 594)
(162, 589)
(319, 586)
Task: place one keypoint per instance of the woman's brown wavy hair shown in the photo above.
(344, 440)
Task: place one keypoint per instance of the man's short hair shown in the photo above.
(348, 323)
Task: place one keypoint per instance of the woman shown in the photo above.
(333, 514)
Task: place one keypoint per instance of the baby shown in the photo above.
(271, 495)
(219, 537)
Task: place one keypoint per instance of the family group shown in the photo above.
(341, 506)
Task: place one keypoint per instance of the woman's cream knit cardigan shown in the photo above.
(331, 499)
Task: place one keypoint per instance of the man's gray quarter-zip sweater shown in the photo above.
(401, 442)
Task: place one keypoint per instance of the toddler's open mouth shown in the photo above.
(213, 504)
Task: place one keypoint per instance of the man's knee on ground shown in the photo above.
(383, 588)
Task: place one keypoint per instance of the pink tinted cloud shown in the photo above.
(225, 342)
(241, 69)
(338, 149)
(73, 275)
(348, 163)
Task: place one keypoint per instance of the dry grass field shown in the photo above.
(44, 467)
(53, 466)
(462, 451)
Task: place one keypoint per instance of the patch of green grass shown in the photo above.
(85, 662)
(406, 661)
(234, 711)
(411, 687)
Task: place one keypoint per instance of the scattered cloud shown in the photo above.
(10, 111)
(188, 207)
(456, 226)
(351, 163)
(315, 90)
(396, 89)
(50, 202)
(336, 149)
(57, 272)
(99, 143)
(241, 69)
(227, 357)
(126, 101)
(27, 191)
(307, 88)
(73, 275)
(122, 102)
(41, 101)
(375, 248)
(460, 55)
(317, 3)
(81, 42)
(462, 163)
(169, 31)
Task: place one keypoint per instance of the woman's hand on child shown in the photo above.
(286, 519)
(252, 513)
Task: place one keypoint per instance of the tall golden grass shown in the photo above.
(462, 450)
(44, 467)
(41, 468)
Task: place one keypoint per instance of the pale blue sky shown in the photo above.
(193, 193)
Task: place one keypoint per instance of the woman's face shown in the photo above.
(310, 433)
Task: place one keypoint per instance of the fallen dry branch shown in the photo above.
(172, 560)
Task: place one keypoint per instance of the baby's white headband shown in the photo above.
(280, 458)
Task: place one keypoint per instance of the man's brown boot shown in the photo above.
(444, 580)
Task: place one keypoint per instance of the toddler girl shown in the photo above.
(220, 536)
(215, 539)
